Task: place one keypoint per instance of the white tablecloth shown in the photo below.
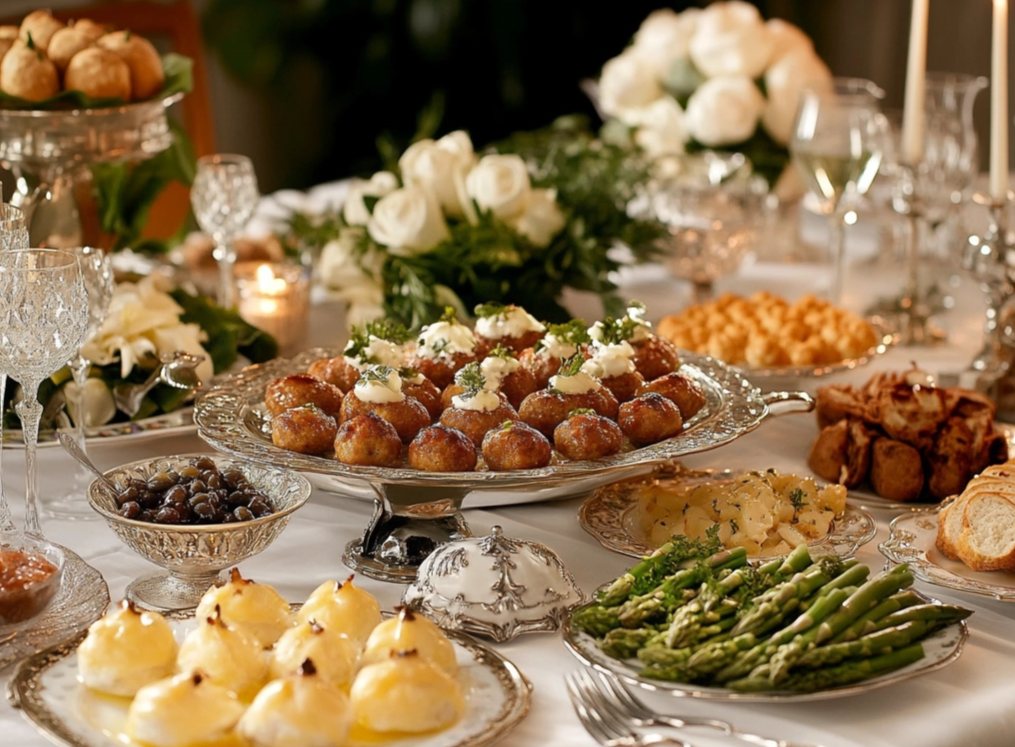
(971, 702)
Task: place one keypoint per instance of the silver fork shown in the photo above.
(605, 727)
(616, 698)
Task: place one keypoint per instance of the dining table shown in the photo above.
(970, 702)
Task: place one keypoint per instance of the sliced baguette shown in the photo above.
(998, 478)
(987, 539)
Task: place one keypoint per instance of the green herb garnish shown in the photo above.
(471, 379)
(574, 332)
(486, 310)
(362, 335)
(380, 374)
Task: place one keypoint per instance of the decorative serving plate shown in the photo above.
(231, 416)
(611, 516)
(47, 689)
(176, 423)
(940, 649)
(81, 600)
(913, 541)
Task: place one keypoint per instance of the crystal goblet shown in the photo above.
(97, 275)
(224, 196)
(43, 318)
(13, 235)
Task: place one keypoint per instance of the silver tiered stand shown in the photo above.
(49, 152)
(991, 259)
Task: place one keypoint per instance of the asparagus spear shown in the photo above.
(866, 623)
(948, 613)
(880, 642)
(624, 643)
(842, 674)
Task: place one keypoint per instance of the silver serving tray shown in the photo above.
(231, 416)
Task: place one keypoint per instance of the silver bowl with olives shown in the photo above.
(194, 515)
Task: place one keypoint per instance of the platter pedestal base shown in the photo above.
(408, 524)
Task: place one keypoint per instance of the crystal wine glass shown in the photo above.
(837, 143)
(43, 318)
(224, 196)
(13, 235)
(97, 275)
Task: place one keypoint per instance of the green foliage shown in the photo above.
(229, 336)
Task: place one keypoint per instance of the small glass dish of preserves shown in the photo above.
(30, 573)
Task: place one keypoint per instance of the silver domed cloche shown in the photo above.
(494, 586)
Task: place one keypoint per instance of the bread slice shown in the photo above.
(987, 540)
(998, 479)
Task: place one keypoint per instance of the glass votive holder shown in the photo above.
(275, 297)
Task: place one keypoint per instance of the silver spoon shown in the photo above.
(72, 448)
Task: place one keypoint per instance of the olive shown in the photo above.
(204, 463)
(243, 513)
(215, 481)
(190, 472)
(204, 511)
(160, 482)
(176, 494)
(130, 510)
(167, 515)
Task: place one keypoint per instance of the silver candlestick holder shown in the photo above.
(991, 260)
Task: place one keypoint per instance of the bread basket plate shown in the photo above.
(940, 649)
(46, 688)
(611, 515)
(913, 540)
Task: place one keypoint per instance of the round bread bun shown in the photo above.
(88, 28)
(66, 43)
(98, 73)
(146, 75)
(28, 74)
(39, 25)
(8, 35)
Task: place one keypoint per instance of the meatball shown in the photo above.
(442, 449)
(306, 430)
(540, 364)
(649, 418)
(426, 392)
(685, 392)
(518, 385)
(625, 386)
(587, 435)
(337, 371)
(302, 389)
(476, 423)
(546, 409)
(655, 356)
(441, 370)
(408, 416)
(516, 446)
(368, 440)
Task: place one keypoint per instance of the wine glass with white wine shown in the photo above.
(837, 143)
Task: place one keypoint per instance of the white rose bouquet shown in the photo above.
(720, 78)
(455, 228)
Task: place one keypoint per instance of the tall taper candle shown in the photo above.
(916, 75)
(999, 103)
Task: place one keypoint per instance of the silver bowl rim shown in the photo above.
(305, 489)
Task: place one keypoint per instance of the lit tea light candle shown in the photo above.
(275, 298)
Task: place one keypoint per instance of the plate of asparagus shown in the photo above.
(697, 622)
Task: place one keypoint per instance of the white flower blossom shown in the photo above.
(408, 221)
(500, 185)
(662, 129)
(784, 81)
(731, 40)
(355, 210)
(143, 321)
(541, 219)
(664, 37)
(440, 166)
(724, 111)
(626, 86)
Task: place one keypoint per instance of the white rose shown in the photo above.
(541, 219)
(664, 37)
(786, 38)
(724, 111)
(795, 71)
(355, 210)
(439, 166)
(499, 184)
(662, 130)
(627, 85)
(341, 265)
(731, 39)
(408, 221)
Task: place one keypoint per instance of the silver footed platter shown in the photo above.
(417, 511)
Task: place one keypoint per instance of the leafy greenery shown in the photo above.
(229, 336)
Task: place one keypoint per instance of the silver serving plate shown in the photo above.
(940, 649)
(47, 690)
(611, 516)
(417, 511)
(913, 541)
